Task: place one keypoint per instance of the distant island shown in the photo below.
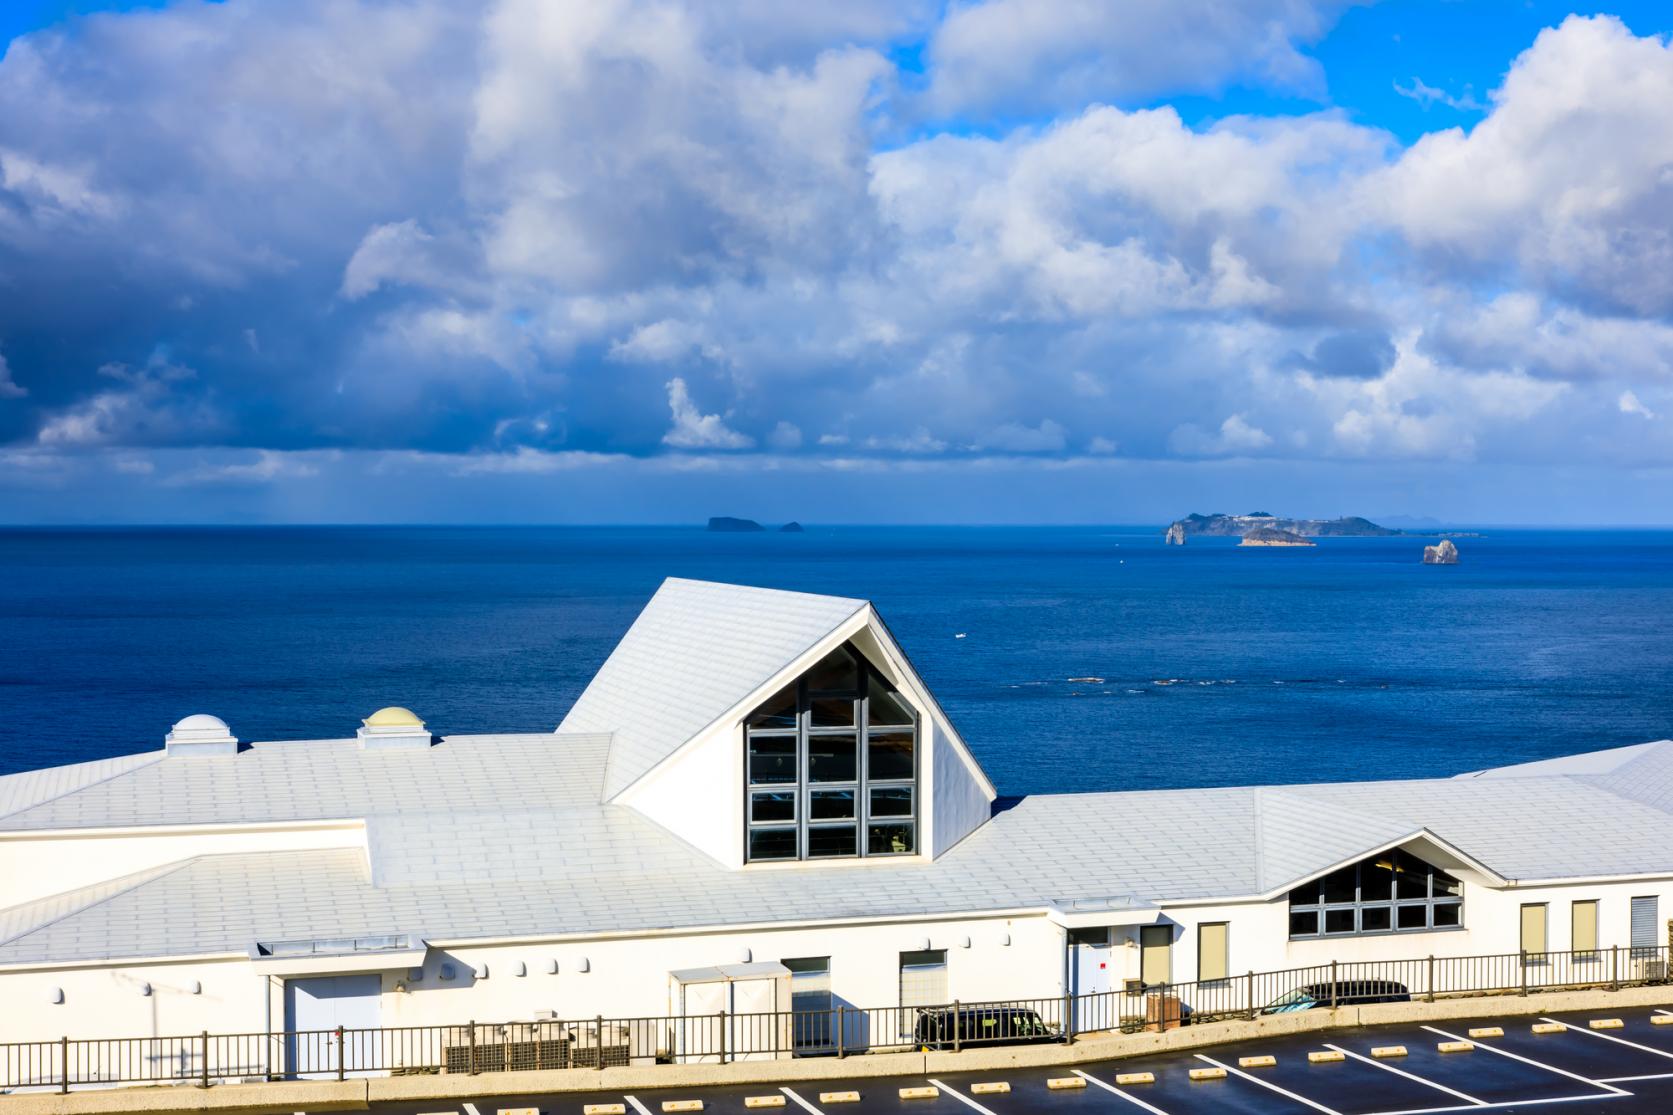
(1272, 536)
(726, 524)
(1239, 526)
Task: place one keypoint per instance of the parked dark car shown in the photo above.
(1357, 992)
(981, 1026)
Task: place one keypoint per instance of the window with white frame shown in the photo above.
(832, 766)
(1394, 892)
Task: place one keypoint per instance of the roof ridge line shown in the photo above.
(138, 879)
(157, 757)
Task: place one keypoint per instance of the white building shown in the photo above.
(754, 777)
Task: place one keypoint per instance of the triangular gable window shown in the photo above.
(1392, 892)
(832, 768)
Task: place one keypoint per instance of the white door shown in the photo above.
(701, 1035)
(1090, 974)
(315, 1008)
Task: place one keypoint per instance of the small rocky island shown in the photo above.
(1443, 553)
(726, 524)
(1271, 536)
(1239, 526)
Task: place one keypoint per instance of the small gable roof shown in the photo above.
(697, 649)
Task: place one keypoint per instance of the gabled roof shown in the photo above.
(30, 788)
(508, 839)
(696, 650)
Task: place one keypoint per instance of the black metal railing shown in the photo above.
(599, 1042)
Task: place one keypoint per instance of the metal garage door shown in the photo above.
(315, 1008)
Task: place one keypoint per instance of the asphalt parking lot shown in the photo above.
(1620, 1070)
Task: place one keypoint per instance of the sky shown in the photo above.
(879, 261)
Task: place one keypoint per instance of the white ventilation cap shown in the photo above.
(201, 734)
(393, 728)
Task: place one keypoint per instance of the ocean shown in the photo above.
(1086, 658)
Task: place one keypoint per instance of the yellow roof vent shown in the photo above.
(393, 728)
(393, 717)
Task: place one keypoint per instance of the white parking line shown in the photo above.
(1611, 1037)
(1660, 1011)
(1630, 1079)
(1479, 1044)
(1409, 1075)
(470, 1109)
(1506, 1103)
(958, 1095)
(1114, 1091)
(799, 1100)
(1270, 1086)
(637, 1106)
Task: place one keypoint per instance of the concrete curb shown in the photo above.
(358, 1094)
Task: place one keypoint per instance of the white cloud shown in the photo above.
(785, 436)
(1564, 183)
(1056, 54)
(1427, 95)
(1629, 404)
(9, 388)
(1014, 437)
(694, 430)
(267, 467)
(1236, 436)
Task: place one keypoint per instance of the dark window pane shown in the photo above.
(1413, 877)
(1339, 885)
(830, 805)
(884, 705)
(833, 758)
(1448, 913)
(1446, 886)
(1338, 921)
(833, 712)
(1374, 919)
(1304, 923)
(1412, 917)
(772, 844)
(772, 760)
(1305, 895)
(833, 840)
(888, 755)
(889, 839)
(836, 673)
(891, 801)
(779, 805)
(1376, 880)
(780, 712)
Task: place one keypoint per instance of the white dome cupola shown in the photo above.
(201, 734)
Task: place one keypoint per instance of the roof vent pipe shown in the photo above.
(201, 734)
(393, 728)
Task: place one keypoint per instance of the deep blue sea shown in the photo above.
(1211, 664)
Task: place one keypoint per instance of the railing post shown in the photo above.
(1250, 996)
(842, 1032)
(725, 1034)
(1334, 990)
(203, 1080)
(1431, 977)
(64, 1065)
(1068, 1019)
(1614, 967)
(955, 1026)
(342, 1064)
(598, 1040)
(1524, 955)
(473, 1047)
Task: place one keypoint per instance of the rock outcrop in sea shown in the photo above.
(1443, 553)
(1238, 526)
(791, 527)
(1175, 535)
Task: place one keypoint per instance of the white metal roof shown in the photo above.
(696, 650)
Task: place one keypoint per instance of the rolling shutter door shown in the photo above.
(1644, 923)
(923, 978)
